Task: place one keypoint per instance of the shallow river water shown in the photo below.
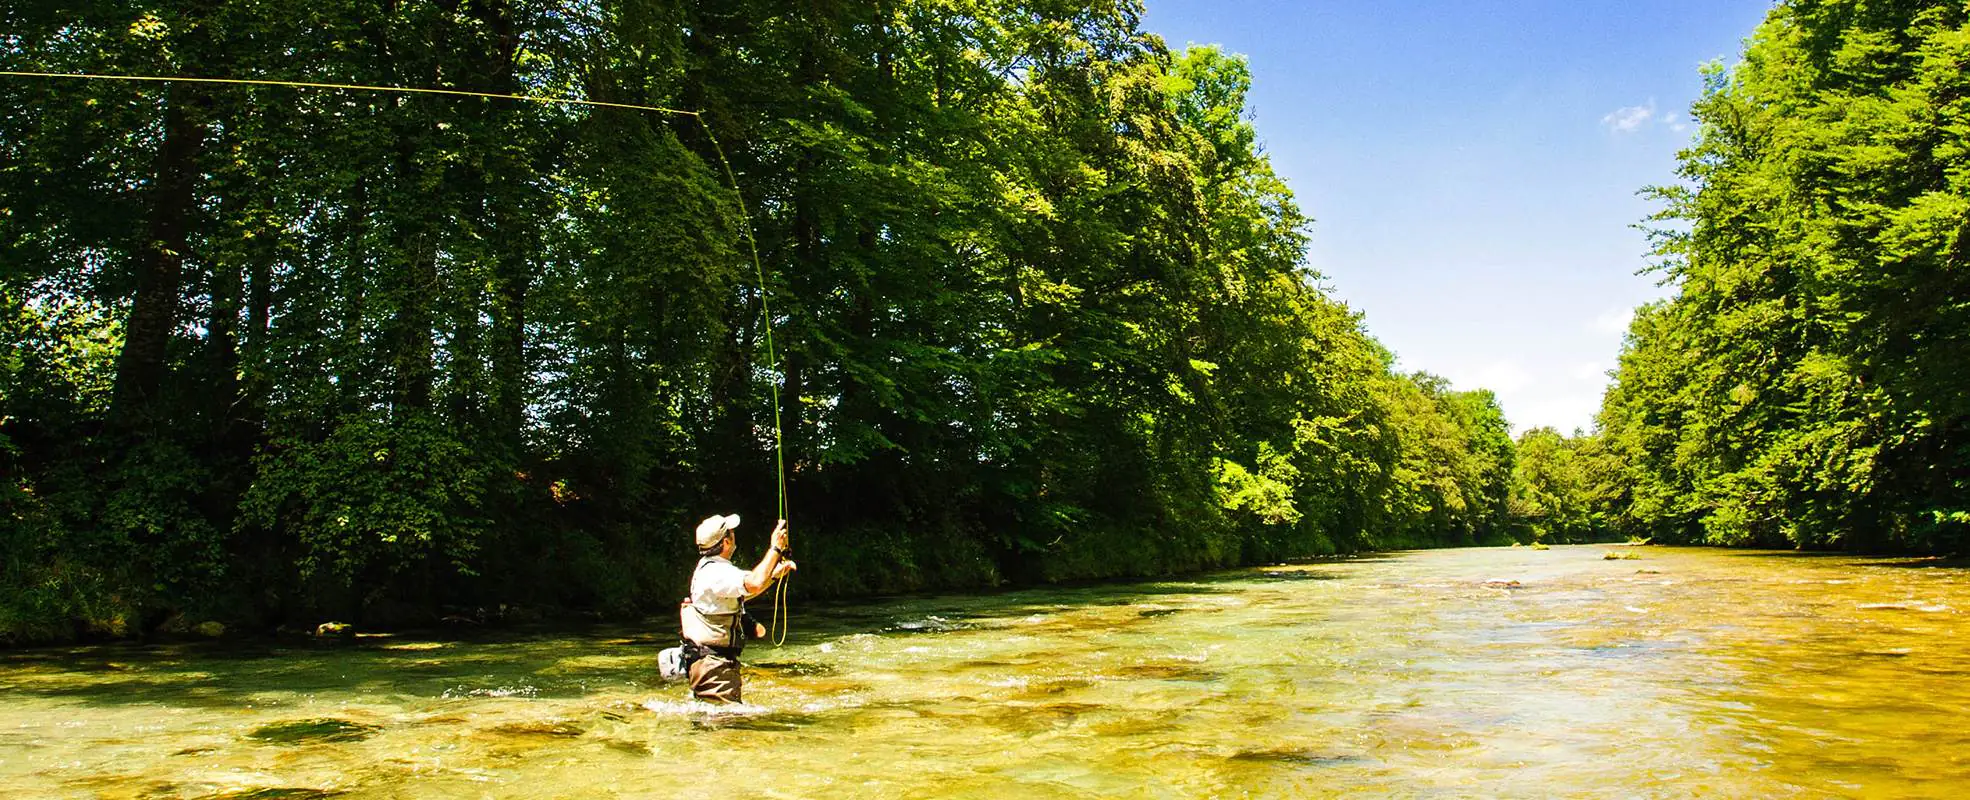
(1428, 674)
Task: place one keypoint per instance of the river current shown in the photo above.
(1447, 673)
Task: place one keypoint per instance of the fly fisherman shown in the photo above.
(715, 624)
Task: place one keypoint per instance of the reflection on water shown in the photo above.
(1500, 672)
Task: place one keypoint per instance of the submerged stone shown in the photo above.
(313, 730)
(1170, 672)
(626, 746)
(1291, 756)
(561, 728)
(1297, 575)
(1052, 686)
(1058, 711)
(773, 722)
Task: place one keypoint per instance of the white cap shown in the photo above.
(714, 528)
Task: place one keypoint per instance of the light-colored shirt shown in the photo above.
(717, 587)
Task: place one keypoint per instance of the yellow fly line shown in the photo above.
(745, 220)
(352, 87)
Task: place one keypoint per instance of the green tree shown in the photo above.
(1799, 389)
(1038, 305)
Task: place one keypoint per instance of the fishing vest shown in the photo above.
(712, 630)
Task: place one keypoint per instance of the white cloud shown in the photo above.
(1502, 377)
(1628, 119)
(1559, 396)
(1612, 321)
(1562, 411)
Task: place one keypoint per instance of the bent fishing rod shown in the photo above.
(731, 177)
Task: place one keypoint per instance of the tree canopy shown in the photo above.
(275, 354)
(1805, 386)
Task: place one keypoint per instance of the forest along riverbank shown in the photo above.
(1452, 672)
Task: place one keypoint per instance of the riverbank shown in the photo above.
(466, 620)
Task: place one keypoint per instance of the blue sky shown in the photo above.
(1472, 167)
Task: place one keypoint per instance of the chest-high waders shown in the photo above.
(712, 643)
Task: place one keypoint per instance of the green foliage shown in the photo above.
(1559, 487)
(1805, 386)
(374, 500)
(1266, 493)
(1451, 481)
(1038, 301)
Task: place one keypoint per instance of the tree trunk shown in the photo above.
(509, 358)
(222, 348)
(512, 274)
(411, 347)
(141, 367)
(351, 359)
(415, 289)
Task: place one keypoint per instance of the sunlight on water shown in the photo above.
(1686, 672)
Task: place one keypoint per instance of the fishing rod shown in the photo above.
(780, 615)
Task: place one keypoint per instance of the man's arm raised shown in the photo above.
(772, 566)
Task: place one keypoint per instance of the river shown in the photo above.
(1676, 673)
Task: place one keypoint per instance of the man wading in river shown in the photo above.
(714, 616)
